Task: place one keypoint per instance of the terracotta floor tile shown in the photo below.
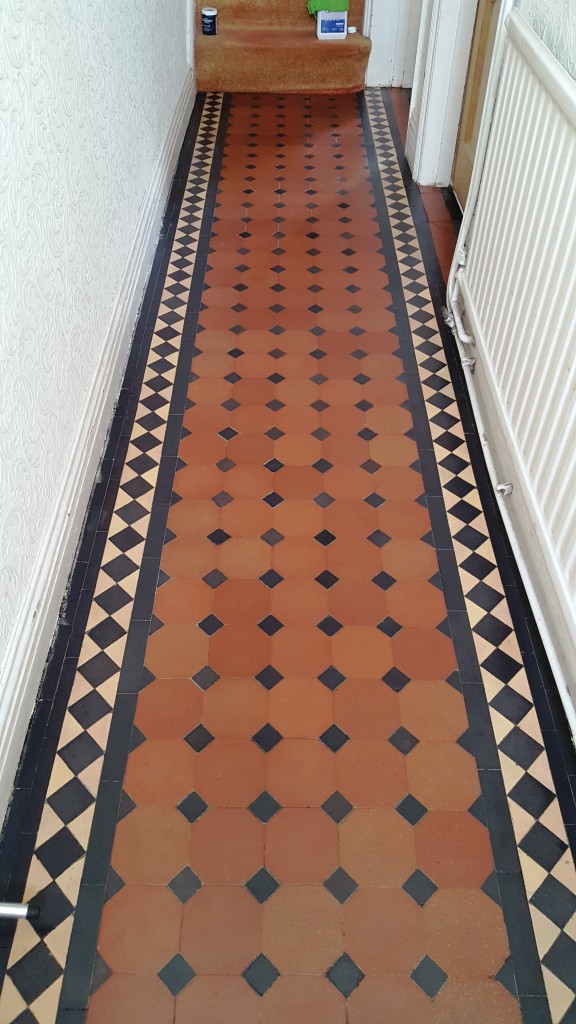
(403, 520)
(384, 931)
(303, 931)
(218, 1000)
(207, 418)
(397, 483)
(409, 560)
(298, 518)
(251, 482)
(461, 1000)
(366, 709)
(298, 602)
(130, 940)
(251, 419)
(239, 651)
(244, 558)
(300, 708)
(371, 772)
(353, 559)
(433, 710)
(417, 604)
(214, 835)
(176, 651)
(443, 776)
(353, 520)
(189, 557)
(160, 771)
(194, 518)
(301, 845)
(395, 995)
(211, 392)
(245, 518)
(298, 391)
(357, 603)
(299, 558)
(235, 708)
(308, 1000)
(253, 392)
(230, 773)
(344, 421)
(124, 998)
(242, 602)
(424, 653)
(301, 773)
(168, 709)
(300, 651)
(221, 930)
(465, 952)
(362, 652)
(150, 845)
(298, 482)
(453, 849)
(183, 600)
(250, 449)
(377, 847)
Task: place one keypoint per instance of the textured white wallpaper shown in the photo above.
(87, 92)
(554, 21)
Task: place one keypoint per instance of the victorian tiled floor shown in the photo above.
(296, 759)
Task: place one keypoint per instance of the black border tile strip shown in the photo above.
(83, 946)
(524, 953)
(23, 817)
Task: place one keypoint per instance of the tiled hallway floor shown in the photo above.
(300, 778)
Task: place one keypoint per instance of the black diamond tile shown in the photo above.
(90, 709)
(403, 740)
(429, 976)
(411, 809)
(324, 500)
(532, 795)
(274, 433)
(192, 807)
(219, 537)
(271, 578)
(261, 974)
(477, 565)
(374, 500)
(561, 960)
(370, 466)
(341, 885)
(176, 974)
(270, 625)
(555, 901)
(274, 465)
(345, 975)
(106, 633)
(491, 888)
(262, 885)
(185, 885)
(267, 737)
(126, 539)
(331, 678)
(419, 887)
(501, 665)
(113, 599)
(543, 846)
(327, 579)
(273, 499)
(210, 625)
(53, 908)
(322, 465)
(59, 852)
(337, 807)
(98, 669)
(35, 972)
(389, 626)
(205, 677)
(325, 538)
(383, 580)
(334, 738)
(71, 800)
(330, 626)
(199, 738)
(272, 537)
(222, 499)
(492, 629)
(484, 596)
(521, 748)
(100, 974)
(269, 677)
(264, 807)
(80, 752)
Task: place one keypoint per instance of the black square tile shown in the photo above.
(389, 626)
(325, 538)
(543, 846)
(192, 807)
(383, 580)
(261, 974)
(205, 677)
(403, 740)
(374, 500)
(218, 537)
(210, 625)
(337, 807)
(521, 748)
(269, 677)
(555, 901)
(214, 578)
(267, 738)
(262, 885)
(511, 704)
(532, 795)
(334, 738)
(345, 975)
(35, 972)
(330, 626)
(341, 885)
(419, 887)
(176, 974)
(185, 885)
(411, 809)
(561, 960)
(199, 738)
(270, 625)
(264, 807)
(331, 678)
(429, 976)
(378, 538)
(71, 800)
(327, 579)
(324, 500)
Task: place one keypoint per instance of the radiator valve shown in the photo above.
(504, 489)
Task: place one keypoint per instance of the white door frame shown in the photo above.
(393, 28)
(442, 58)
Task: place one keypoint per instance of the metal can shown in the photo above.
(209, 21)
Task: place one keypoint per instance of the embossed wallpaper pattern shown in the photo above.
(88, 91)
(554, 21)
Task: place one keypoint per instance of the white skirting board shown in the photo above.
(38, 619)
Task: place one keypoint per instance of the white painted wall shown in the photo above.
(393, 27)
(95, 97)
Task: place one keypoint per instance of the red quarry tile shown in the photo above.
(301, 773)
(245, 482)
(299, 558)
(239, 651)
(453, 849)
(417, 604)
(235, 708)
(301, 845)
(460, 999)
(245, 518)
(433, 710)
(384, 931)
(308, 1000)
(203, 449)
(212, 838)
(397, 483)
(409, 560)
(250, 449)
(372, 773)
(183, 600)
(366, 709)
(353, 559)
(403, 520)
(176, 651)
(357, 603)
(197, 481)
(218, 999)
(424, 653)
(377, 847)
(298, 602)
(188, 557)
(130, 940)
(193, 517)
(353, 520)
(230, 773)
(221, 930)
(124, 998)
(150, 845)
(297, 482)
(300, 651)
(303, 931)
(362, 652)
(465, 952)
(160, 771)
(241, 602)
(443, 776)
(298, 518)
(244, 558)
(300, 708)
(402, 998)
(168, 709)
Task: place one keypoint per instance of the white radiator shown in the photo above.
(518, 297)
